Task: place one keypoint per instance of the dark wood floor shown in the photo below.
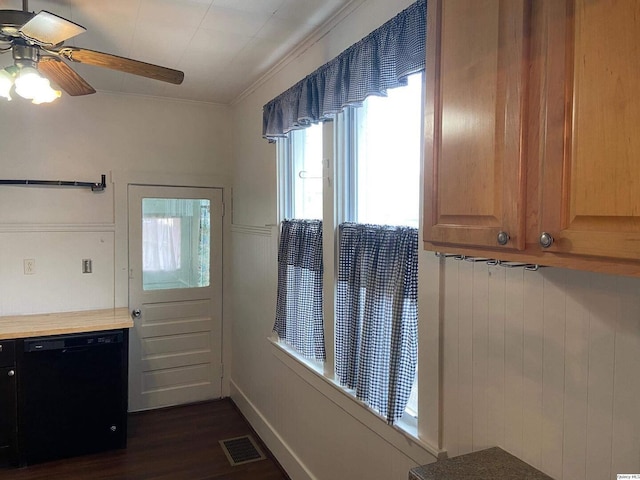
(178, 443)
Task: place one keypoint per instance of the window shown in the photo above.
(303, 173)
(175, 243)
(299, 312)
(400, 205)
(379, 180)
(387, 157)
(383, 166)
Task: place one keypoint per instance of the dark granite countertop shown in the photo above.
(490, 464)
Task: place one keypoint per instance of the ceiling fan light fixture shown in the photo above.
(35, 42)
(33, 86)
(47, 95)
(6, 82)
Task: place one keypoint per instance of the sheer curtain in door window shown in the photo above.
(175, 243)
(161, 243)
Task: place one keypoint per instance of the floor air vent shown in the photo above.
(241, 450)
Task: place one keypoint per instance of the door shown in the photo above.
(8, 415)
(590, 203)
(475, 110)
(175, 295)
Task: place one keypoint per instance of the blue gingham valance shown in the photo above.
(381, 60)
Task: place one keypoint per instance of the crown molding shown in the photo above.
(311, 40)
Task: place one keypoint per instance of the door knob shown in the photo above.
(503, 238)
(546, 240)
(136, 313)
(11, 373)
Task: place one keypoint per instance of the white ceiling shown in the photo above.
(222, 46)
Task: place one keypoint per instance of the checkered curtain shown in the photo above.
(377, 315)
(382, 60)
(299, 304)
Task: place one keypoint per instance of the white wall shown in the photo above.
(80, 139)
(310, 434)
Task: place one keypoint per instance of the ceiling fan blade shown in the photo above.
(99, 59)
(49, 29)
(56, 70)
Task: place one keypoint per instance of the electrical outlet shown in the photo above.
(29, 266)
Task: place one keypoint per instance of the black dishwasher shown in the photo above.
(72, 395)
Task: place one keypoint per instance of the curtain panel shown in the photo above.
(299, 320)
(377, 315)
(381, 60)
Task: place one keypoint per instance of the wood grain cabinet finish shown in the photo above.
(533, 126)
(475, 111)
(591, 173)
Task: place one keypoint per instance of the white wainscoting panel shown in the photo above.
(545, 364)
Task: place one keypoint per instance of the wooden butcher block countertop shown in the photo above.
(25, 326)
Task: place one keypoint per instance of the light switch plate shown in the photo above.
(87, 266)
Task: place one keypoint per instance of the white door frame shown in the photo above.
(120, 181)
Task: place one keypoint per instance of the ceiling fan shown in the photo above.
(39, 55)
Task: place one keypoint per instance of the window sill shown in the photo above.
(404, 436)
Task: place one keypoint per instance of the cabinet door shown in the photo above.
(475, 122)
(591, 165)
(7, 415)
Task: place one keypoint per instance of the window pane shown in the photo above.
(388, 156)
(175, 243)
(307, 172)
(412, 404)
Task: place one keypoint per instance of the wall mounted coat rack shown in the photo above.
(491, 262)
(95, 187)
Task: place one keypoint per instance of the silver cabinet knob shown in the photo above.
(11, 373)
(546, 240)
(503, 238)
(136, 313)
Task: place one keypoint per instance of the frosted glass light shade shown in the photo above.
(29, 82)
(47, 95)
(31, 85)
(6, 82)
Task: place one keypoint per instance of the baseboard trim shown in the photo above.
(292, 464)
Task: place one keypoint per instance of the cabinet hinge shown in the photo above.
(223, 209)
(222, 370)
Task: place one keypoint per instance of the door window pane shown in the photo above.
(175, 243)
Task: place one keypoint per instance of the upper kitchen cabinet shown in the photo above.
(590, 170)
(476, 104)
(532, 117)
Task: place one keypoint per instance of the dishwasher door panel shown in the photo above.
(73, 401)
